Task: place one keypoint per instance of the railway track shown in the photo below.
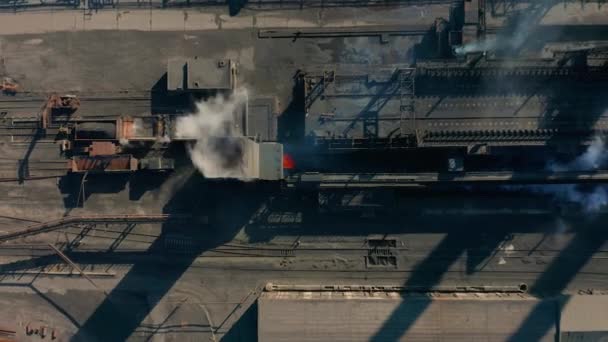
(33, 95)
(27, 131)
(60, 223)
(38, 250)
(71, 5)
(30, 99)
(11, 165)
(26, 107)
(421, 180)
(287, 251)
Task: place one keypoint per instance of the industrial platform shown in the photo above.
(303, 170)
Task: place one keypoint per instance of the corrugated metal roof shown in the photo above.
(350, 317)
(585, 313)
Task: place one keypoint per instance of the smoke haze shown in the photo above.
(215, 151)
(591, 198)
(514, 38)
(594, 158)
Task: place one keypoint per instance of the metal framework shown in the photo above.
(124, 4)
(417, 180)
(62, 222)
(407, 111)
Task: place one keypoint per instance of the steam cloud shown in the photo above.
(592, 198)
(487, 44)
(515, 38)
(215, 152)
(594, 158)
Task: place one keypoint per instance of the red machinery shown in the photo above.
(8, 86)
(56, 103)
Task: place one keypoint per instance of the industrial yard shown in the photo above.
(308, 170)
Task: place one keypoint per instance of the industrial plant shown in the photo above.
(304, 170)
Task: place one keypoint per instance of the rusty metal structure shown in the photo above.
(452, 105)
(467, 108)
(56, 104)
(70, 220)
(408, 169)
(8, 86)
(453, 109)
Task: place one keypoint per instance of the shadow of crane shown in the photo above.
(23, 170)
(430, 271)
(207, 202)
(558, 275)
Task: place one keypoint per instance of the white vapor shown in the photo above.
(215, 151)
(487, 44)
(594, 157)
(591, 198)
(512, 40)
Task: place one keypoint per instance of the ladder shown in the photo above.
(407, 113)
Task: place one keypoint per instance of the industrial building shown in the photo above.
(311, 170)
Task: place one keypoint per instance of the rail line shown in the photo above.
(34, 167)
(376, 180)
(287, 251)
(94, 5)
(45, 227)
(39, 100)
(366, 273)
(27, 131)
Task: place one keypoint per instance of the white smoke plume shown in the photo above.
(487, 44)
(516, 37)
(590, 198)
(358, 50)
(214, 151)
(594, 157)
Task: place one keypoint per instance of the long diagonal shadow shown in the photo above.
(461, 241)
(552, 281)
(23, 170)
(555, 279)
(136, 295)
(46, 298)
(427, 274)
(56, 306)
(124, 312)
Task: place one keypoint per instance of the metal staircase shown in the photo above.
(406, 79)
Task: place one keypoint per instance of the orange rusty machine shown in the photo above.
(107, 145)
(8, 86)
(58, 104)
(150, 142)
(129, 143)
